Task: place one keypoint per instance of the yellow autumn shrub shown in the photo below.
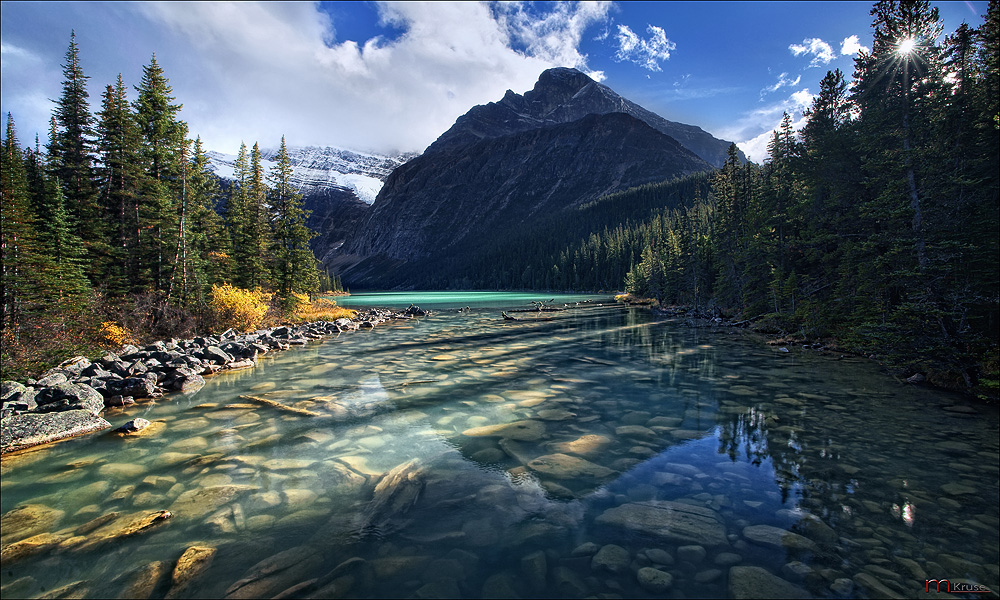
(237, 308)
(322, 309)
(112, 335)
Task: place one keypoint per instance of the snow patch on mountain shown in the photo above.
(317, 168)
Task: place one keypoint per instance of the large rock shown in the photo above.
(32, 429)
(611, 557)
(525, 431)
(27, 520)
(276, 573)
(756, 582)
(136, 387)
(70, 396)
(563, 466)
(122, 527)
(654, 581)
(775, 537)
(674, 522)
(190, 566)
(201, 501)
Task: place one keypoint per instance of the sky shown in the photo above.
(388, 77)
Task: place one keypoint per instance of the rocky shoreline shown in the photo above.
(68, 400)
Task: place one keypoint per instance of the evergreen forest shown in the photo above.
(116, 229)
(876, 224)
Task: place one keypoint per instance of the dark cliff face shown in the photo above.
(454, 198)
(563, 95)
(509, 164)
(334, 213)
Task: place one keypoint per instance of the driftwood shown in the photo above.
(280, 406)
(507, 317)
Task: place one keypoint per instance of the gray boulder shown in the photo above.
(137, 387)
(31, 429)
(70, 396)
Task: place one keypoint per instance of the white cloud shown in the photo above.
(821, 52)
(756, 127)
(852, 45)
(783, 81)
(554, 37)
(257, 71)
(647, 53)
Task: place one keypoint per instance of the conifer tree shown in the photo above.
(293, 265)
(18, 249)
(210, 247)
(71, 157)
(163, 137)
(119, 175)
(257, 234)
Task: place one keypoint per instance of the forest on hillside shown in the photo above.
(116, 229)
(876, 224)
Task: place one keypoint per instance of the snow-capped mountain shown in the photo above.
(322, 168)
(338, 186)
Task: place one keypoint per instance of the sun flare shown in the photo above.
(906, 46)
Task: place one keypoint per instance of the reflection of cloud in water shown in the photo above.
(368, 399)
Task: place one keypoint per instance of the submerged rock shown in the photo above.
(756, 582)
(584, 445)
(394, 495)
(27, 520)
(144, 580)
(524, 431)
(276, 573)
(670, 521)
(654, 581)
(610, 557)
(124, 527)
(190, 566)
(775, 537)
(563, 466)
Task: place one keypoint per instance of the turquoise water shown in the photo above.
(462, 455)
(461, 299)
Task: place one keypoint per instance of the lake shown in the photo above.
(594, 451)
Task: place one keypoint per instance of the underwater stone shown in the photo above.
(775, 537)
(654, 580)
(756, 582)
(610, 557)
(670, 521)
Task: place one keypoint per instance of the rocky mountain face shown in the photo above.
(338, 186)
(513, 163)
(563, 95)
(450, 198)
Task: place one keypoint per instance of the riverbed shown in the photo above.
(594, 450)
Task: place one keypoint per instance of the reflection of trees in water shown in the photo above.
(866, 477)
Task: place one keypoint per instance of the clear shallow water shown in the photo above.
(461, 455)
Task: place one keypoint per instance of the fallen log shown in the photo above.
(280, 406)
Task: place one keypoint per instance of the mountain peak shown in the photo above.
(563, 95)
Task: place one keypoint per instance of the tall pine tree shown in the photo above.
(293, 265)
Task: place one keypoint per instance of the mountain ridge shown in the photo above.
(562, 95)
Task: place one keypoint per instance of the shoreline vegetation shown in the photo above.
(67, 400)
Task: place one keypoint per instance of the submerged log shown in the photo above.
(280, 406)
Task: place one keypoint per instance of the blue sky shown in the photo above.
(392, 77)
